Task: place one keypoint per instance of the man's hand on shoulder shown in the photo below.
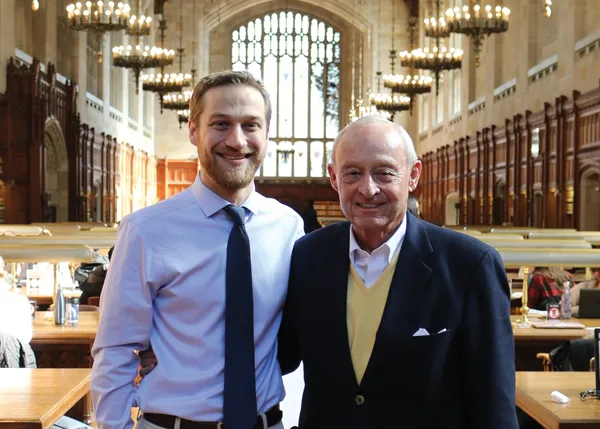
(148, 362)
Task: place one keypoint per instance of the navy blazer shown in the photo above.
(461, 378)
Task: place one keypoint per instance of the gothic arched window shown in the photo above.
(298, 59)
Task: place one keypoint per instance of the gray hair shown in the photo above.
(405, 140)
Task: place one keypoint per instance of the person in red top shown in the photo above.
(547, 286)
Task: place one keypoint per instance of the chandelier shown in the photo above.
(367, 110)
(139, 26)
(179, 101)
(416, 84)
(98, 16)
(437, 60)
(390, 103)
(164, 83)
(138, 59)
(477, 23)
(436, 28)
(183, 116)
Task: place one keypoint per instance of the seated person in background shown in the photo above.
(413, 206)
(310, 218)
(15, 310)
(588, 284)
(546, 286)
(94, 283)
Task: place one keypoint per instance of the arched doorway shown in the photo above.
(57, 174)
(589, 200)
(498, 204)
(452, 212)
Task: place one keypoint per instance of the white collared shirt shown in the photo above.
(370, 266)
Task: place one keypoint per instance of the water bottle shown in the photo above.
(59, 306)
(72, 311)
(565, 302)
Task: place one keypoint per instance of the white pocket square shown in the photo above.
(422, 332)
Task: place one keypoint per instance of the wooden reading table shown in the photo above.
(64, 346)
(531, 341)
(533, 397)
(37, 398)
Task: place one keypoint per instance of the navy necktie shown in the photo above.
(239, 396)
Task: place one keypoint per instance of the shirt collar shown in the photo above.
(393, 244)
(210, 203)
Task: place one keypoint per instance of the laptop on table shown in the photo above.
(589, 303)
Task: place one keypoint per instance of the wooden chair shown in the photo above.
(93, 300)
(87, 307)
(547, 363)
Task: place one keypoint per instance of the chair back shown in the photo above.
(93, 301)
(574, 355)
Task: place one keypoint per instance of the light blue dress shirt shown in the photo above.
(166, 286)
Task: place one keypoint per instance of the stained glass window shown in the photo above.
(298, 59)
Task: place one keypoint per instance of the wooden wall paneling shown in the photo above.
(517, 171)
(456, 152)
(115, 180)
(433, 185)
(487, 171)
(427, 187)
(421, 192)
(508, 176)
(130, 177)
(541, 191)
(461, 181)
(430, 175)
(568, 176)
(443, 178)
(529, 169)
(102, 179)
(480, 190)
(548, 155)
(19, 113)
(469, 218)
(476, 176)
(439, 183)
(3, 154)
(161, 165)
(300, 193)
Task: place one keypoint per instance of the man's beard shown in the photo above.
(234, 177)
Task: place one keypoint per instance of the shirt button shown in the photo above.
(359, 399)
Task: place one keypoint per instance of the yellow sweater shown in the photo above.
(365, 308)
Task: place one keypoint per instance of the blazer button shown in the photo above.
(359, 399)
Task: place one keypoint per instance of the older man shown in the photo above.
(398, 323)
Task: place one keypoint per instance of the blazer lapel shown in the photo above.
(338, 283)
(409, 284)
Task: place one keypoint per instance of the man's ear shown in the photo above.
(332, 177)
(415, 174)
(192, 132)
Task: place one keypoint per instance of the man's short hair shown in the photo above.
(228, 77)
(407, 143)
